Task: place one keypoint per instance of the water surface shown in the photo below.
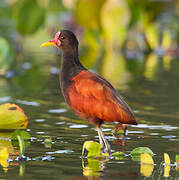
(155, 102)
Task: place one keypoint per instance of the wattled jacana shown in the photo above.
(89, 95)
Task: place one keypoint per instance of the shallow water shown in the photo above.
(155, 103)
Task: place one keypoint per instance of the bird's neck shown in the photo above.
(70, 67)
(70, 63)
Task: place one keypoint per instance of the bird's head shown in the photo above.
(64, 39)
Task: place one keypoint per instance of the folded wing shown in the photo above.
(91, 96)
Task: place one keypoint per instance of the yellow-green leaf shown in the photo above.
(22, 169)
(146, 169)
(21, 136)
(118, 155)
(93, 148)
(166, 159)
(48, 142)
(177, 158)
(25, 135)
(93, 168)
(146, 158)
(166, 171)
(21, 145)
(138, 151)
(12, 117)
(4, 155)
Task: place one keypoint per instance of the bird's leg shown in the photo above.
(120, 126)
(102, 137)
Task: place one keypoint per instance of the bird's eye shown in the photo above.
(62, 37)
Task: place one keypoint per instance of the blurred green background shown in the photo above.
(111, 32)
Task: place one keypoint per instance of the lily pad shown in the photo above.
(21, 145)
(48, 142)
(12, 117)
(135, 153)
(177, 158)
(19, 140)
(93, 168)
(147, 164)
(93, 148)
(139, 150)
(118, 155)
(4, 155)
(146, 158)
(166, 159)
(25, 135)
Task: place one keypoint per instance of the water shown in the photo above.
(154, 100)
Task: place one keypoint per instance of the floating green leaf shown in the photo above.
(25, 135)
(146, 158)
(167, 165)
(19, 140)
(93, 168)
(21, 145)
(147, 164)
(4, 155)
(166, 159)
(118, 155)
(12, 117)
(93, 148)
(22, 168)
(139, 150)
(48, 142)
(135, 153)
(177, 158)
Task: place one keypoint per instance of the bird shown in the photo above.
(89, 95)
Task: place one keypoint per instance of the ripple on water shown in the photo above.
(39, 120)
(135, 132)
(5, 99)
(78, 126)
(106, 130)
(154, 134)
(29, 103)
(168, 136)
(60, 152)
(59, 123)
(165, 127)
(57, 110)
(40, 132)
(44, 158)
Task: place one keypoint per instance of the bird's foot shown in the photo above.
(122, 127)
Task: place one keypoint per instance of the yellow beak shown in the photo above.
(49, 43)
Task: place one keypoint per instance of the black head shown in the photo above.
(67, 39)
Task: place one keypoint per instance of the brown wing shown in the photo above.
(90, 96)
